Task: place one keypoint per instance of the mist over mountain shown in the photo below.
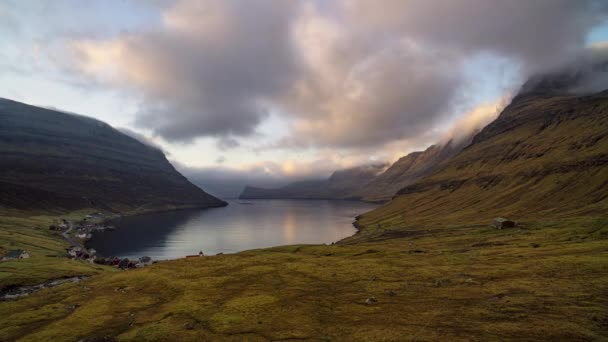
(546, 155)
(342, 184)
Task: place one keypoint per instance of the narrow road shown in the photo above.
(67, 237)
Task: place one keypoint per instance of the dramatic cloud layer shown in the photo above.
(345, 74)
(207, 72)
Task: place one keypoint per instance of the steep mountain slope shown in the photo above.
(407, 170)
(545, 157)
(57, 161)
(341, 184)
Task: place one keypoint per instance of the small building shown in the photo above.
(15, 254)
(501, 222)
(200, 254)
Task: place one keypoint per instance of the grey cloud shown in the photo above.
(141, 138)
(539, 33)
(226, 143)
(228, 183)
(399, 92)
(214, 78)
(585, 73)
(351, 75)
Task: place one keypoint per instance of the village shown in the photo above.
(77, 235)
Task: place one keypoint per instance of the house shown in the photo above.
(74, 251)
(15, 254)
(501, 222)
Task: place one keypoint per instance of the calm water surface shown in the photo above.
(237, 227)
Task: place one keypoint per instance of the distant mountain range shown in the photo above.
(558, 98)
(53, 160)
(340, 185)
(374, 183)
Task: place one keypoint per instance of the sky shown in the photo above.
(263, 92)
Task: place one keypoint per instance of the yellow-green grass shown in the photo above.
(46, 248)
(545, 281)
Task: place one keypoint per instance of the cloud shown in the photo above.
(226, 143)
(208, 72)
(472, 122)
(142, 139)
(229, 182)
(536, 33)
(585, 73)
(347, 74)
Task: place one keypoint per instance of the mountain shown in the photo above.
(368, 184)
(545, 157)
(53, 160)
(407, 170)
(341, 184)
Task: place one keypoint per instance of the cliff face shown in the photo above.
(57, 161)
(546, 156)
(341, 184)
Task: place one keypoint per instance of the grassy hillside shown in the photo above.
(407, 170)
(543, 158)
(53, 161)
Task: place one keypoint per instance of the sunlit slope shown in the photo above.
(543, 158)
(52, 160)
(408, 170)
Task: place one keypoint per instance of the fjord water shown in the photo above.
(240, 226)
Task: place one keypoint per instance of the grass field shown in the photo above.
(542, 281)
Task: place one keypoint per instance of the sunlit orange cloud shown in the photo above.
(98, 58)
(476, 119)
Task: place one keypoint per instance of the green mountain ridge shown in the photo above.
(407, 170)
(53, 160)
(545, 156)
